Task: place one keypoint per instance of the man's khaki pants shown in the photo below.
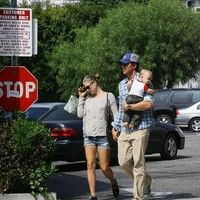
(131, 157)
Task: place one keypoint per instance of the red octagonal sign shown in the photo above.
(18, 88)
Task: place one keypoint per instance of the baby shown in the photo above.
(139, 87)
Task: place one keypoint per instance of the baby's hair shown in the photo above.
(92, 77)
(143, 71)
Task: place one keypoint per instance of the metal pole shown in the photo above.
(14, 3)
(14, 58)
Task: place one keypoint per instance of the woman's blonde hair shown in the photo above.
(91, 78)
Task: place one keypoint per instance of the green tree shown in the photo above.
(112, 2)
(56, 25)
(105, 2)
(164, 33)
(4, 61)
(5, 3)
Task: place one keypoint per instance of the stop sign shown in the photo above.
(18, 88)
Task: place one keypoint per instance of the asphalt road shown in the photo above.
(173, 180)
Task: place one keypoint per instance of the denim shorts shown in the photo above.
(98, 141)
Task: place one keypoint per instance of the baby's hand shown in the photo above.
(126, 107)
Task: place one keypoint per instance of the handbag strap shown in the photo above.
(107, 107)
(108, 102)
(107, 112)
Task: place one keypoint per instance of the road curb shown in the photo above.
(24, 196)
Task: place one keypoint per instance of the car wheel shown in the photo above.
(194, 124)
(164, 118)
(170, 148)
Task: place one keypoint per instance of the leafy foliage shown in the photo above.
(26, 148)
(4, 61)
(163, 33)
(32, 137)
(4, 3)
(91, 36)
(9, 159)
(57, 25)
(112, 2)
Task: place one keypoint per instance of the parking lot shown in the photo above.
(175, 180)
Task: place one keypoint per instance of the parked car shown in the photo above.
(189, 117)
(66, 128)
(168, 100)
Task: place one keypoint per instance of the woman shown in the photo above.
(92, 107)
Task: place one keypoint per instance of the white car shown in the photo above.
(189, 117)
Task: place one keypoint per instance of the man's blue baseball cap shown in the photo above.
(128, 58)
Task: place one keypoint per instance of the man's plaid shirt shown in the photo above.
(147, 118)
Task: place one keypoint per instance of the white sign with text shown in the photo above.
(16, 32)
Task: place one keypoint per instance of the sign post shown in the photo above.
(14, 3)
(18, 88)
(14, 58)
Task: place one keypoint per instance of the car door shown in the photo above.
(181, 98)
(156, 139)
(195, 96)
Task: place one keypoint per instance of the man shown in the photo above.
(132, 142)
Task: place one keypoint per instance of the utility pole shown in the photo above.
(14, 58)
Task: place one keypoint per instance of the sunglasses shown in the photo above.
(88, 86)
(124, 65)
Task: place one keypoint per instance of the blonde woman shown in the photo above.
(92, 108)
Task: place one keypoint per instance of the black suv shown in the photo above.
(167, 100)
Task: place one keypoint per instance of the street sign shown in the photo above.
(18, 88)
(16, 32)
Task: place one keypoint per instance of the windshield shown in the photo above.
(36, 113)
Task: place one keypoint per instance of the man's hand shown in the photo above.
(115, 134)
(126, 107)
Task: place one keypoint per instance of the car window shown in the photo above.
(161, 97)
(59, 114)
(180, 97)
(36, 113)
(195, 96)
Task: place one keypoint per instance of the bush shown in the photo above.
(25, 156)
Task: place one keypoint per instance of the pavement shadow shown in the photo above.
(71, 187)
(67, 186)
(172, 196)
(120, 197)
(78, 166)
(67, 167)
(158, 158)
(183, 195)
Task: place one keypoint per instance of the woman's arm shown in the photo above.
(113, 105)
(80, 108)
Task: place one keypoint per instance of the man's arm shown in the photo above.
(141, 106)
(118, 120)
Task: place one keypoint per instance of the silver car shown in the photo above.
(189, 117)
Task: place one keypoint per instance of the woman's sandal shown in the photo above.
(115, 189)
